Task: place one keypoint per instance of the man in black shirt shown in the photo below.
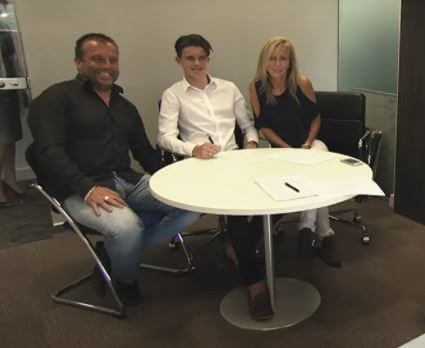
(83, 130)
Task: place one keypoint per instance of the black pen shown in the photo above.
(292, 187)
(210, 139)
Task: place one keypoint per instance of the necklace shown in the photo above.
(278, 90)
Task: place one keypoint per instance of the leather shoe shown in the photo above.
(326, 251)
(129, 294)
(260, 307)
(306, 242)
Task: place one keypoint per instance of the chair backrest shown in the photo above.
(343, 121)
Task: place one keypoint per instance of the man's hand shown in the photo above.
(105, 198)
(205, 151)
(306, 146)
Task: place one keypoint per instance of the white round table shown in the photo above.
(225, 185)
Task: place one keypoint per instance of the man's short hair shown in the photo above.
(91, 36)
(192, 40)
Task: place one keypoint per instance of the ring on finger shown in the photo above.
(105, 198)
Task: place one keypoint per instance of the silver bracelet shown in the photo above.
(89, 193)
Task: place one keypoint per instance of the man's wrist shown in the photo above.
(89, 193)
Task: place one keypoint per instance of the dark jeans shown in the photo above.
(244, 237)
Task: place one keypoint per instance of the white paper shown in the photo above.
(303, 156)
(353, 187)
(276, 187)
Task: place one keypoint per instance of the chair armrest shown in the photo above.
(168, 157)
(363, 137)
(262, 140)
(369, 148)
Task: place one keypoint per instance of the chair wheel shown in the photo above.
(357, 219)
(174, 244)
(365, 240)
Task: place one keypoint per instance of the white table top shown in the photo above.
(226, 183)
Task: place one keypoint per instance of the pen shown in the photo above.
(292, 187)
(210, 139)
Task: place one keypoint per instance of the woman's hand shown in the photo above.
(251, 145)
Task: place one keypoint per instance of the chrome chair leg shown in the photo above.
(58, 296)
(178, 242)
(190, 265)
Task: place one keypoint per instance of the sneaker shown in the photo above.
(326, 251)
(306, 242)
(259, 307)
(129, 294)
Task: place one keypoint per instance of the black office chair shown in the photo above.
(215, 233)
(45, 188)
(343, 130)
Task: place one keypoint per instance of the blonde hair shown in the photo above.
(262, 75)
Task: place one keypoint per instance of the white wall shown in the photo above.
(146, 31)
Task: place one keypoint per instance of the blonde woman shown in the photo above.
(284, 104)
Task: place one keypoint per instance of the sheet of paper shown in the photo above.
(302, 156)
(279, 187)
(285, 188)
(353, 187)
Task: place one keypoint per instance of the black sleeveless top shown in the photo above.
(288, 119)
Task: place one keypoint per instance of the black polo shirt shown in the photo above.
(80, 141)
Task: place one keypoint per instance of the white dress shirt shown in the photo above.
(194, 115)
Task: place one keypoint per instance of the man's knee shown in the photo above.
(123, 223)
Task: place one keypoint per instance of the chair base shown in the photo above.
(58, 297)
(178, 242)
(190, 266)
(356, 221)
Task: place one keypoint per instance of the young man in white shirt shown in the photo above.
(197, 118)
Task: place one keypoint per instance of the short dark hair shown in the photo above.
(192, 40)
(91, 36)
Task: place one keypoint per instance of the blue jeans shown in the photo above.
(126, 236)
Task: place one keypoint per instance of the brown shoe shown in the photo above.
(326, 251)
(260, 307)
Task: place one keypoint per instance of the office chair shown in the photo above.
(343, 130)
(83, 233)
(217, 232)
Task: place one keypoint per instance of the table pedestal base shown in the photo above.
(296, 300)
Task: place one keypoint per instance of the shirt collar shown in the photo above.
(84, 81)
(187, 85)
